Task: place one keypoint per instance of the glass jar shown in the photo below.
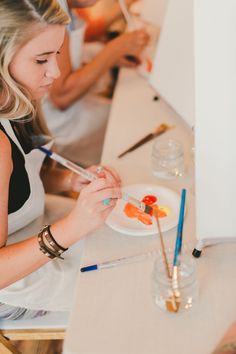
(167, 159)
(162, 286)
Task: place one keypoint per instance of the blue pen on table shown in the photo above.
(117, 262)
(91, 177)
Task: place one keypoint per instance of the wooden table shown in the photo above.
(113, 312)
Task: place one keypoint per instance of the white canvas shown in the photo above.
(215, 58)
(173, 73)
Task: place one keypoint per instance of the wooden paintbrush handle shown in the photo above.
(139, 143)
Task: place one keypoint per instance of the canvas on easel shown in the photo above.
(195, 73)
(173, 71)
(215, 87)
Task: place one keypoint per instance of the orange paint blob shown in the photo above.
(133, 212)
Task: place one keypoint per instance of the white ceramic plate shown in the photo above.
(118, 221)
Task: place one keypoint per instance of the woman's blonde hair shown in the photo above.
(20, 21)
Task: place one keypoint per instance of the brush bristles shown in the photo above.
(148, 209)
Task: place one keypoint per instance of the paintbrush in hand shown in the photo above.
(158, 131)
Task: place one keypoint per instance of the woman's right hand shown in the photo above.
(131, 43)
(90, 212)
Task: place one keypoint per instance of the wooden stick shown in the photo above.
(155, 214)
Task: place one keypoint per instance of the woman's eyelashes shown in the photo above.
(44, 61)
(40, 62)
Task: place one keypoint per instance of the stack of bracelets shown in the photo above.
(52, 249)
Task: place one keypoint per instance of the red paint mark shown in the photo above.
(149, 199)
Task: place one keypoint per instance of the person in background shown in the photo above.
(34, 278)
(97, 26)
(75, 111)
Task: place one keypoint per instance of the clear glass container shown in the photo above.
(162, 286)
(167, 159)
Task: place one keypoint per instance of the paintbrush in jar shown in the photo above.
(178, 246)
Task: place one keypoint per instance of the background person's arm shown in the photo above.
(71, 85)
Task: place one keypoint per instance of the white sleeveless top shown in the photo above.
(51, 287)
(34, 206)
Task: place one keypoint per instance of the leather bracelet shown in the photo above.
(51, 240)
(46, 250)
(49, 255)
(43, 248)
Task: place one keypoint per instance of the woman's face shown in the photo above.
(34, 66)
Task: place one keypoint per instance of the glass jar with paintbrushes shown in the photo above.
(185, 294)
(174, 280)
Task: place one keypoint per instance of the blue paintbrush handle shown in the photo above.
(178, 243)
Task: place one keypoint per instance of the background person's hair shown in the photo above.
(20, 21)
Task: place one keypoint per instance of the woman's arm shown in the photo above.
(6, 170)
(73, 84)
(22, 258)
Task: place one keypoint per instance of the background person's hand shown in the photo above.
(130, 43)
(129, 61)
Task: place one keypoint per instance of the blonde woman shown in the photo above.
(33, 277)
